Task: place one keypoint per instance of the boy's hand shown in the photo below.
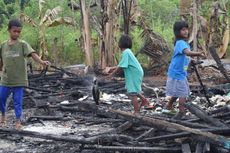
(202, 54)
(46, 63)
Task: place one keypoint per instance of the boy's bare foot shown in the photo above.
(3, 121)
(18, 125)
(169, 105)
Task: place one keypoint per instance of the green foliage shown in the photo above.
(159, 14)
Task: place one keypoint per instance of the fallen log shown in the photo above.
(215, 115)
(81, 140)
(185, 123)
(168, 136)
(44, 136)
(218, 139)
(202, 115)
(223, 131)
(135, 149)
(221, 109)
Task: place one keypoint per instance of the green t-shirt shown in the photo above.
(13, 57)
(132, 70)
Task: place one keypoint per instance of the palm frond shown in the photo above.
(51, 15)
(27, 19)
(61, 20)
(41, 4)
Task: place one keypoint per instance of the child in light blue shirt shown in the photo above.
(177, 83)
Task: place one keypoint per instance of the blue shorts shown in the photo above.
(177, 88)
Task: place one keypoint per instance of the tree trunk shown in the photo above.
(194, 27)
(225, 41)
(42, 45)
(109, 19)
(102, 38)
(86, 33)
(55, 51)
(126, 9)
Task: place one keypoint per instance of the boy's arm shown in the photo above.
(36, 58)
(190, 53)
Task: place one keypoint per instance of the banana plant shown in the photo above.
(214, 26)
(47, 18)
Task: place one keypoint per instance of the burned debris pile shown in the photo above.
(60, 115)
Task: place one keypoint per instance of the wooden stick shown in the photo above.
(145, 134)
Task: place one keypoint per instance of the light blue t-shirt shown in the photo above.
(132, 70)
(179, 63)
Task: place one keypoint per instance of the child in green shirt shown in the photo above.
(13, 54)
(133, 73)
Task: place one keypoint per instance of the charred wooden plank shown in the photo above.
(40, 89)
(81, 140)
(223, 131)
(202, 115)
(185, 148)
(168, 136)
(127, 125)
(53, 118)
(185, 123)
(135, 149)
(199, 147)
(221, 109)
(219, 140)
(206, 147)
(145, 134)
(123, 127)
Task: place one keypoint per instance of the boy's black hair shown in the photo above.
(125, 42)
(177, 27)
(14, 23)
